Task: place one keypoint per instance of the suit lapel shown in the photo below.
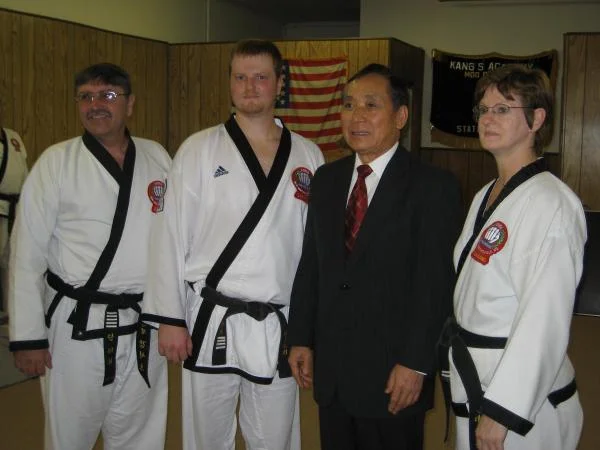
(392, 186)
(339, 187)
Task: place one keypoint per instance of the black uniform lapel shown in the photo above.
(124, 178)
(243, 146)
(483, 214)
(107, 161)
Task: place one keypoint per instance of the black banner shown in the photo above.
(454, 80)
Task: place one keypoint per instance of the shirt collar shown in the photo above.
(379, 164)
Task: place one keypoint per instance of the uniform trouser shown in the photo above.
(554, 429)
(129, 414)
(268, 414)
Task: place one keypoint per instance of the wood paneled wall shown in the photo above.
(473, 168)
(180, 88)
(39, 58)
(199, 76)
(581, 116)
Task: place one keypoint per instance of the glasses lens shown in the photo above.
(478, 111)
(109, 96)
(501, 109)
(84, 97)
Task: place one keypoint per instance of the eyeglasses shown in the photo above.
(102, 96)
(499, 109)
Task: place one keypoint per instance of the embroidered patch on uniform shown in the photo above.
(492, 240)
(220, 171)
(16, 144)
(156, 194)
(301, 179)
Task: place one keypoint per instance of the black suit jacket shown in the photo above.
(386, 303)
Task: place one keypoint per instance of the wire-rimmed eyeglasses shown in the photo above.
(101, 96)
(499, 109)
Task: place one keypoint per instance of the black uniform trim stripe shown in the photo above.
(233, 370)
(124, 178)
(507, 418)
(40, 344)
(4, 164)
(530, 170)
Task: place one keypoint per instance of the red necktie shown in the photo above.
(357, 206)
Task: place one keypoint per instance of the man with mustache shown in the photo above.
(77, 271)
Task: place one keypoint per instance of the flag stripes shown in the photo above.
(311, 100)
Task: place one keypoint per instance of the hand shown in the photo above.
(301, 363)
(489, 434)
(404, 386)
(174, 343)
(33, 362)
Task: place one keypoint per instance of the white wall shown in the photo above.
(478, 27)
(230, 23)
(164, 20)
(321, 30)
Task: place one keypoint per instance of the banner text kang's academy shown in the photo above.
(454, 80)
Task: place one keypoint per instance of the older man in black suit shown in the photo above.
(375, 280)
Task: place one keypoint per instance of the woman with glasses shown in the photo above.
(519, 260)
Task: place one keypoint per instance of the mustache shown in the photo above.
(94, 112)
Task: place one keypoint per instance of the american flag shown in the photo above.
(311, 100)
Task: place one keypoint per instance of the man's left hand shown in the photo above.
(404, 386)
(489, 434)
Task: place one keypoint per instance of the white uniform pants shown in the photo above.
(129, 415)
(555, 429)
(269, 414)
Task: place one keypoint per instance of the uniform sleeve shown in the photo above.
(164, 295)
(545, 270)
(34, 225)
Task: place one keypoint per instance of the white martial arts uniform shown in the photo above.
(63, 224)
(211, 188)
(518, 282)
(11, 182)
(13, 170)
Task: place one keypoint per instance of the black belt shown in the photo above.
(458, 339)
(12, 200)
(258, 311)
(111, 331)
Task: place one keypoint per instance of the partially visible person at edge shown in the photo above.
(13, 170)
(519, 260)
(370, 296)
(79, 252)
(223, 260)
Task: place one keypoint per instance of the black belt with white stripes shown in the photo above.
(111, 331)
(258, 311)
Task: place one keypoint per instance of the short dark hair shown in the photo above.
(254, 47)
(532, 86)
(106, 73)
(398, 88)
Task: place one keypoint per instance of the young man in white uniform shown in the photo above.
(519, 259)
(78, 268)
(227, 320)
(13, 170)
